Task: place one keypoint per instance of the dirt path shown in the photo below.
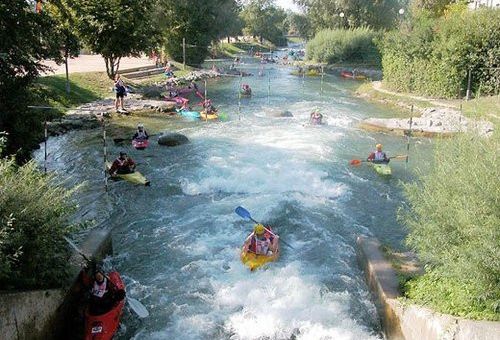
(377, 85)
(95, 63)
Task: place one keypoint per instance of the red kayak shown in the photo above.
(140, 144)
(348, 74)
(104, 326)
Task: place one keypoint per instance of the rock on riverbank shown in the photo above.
(432, 122)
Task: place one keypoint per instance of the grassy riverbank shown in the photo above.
(84, 88)
(480, 108)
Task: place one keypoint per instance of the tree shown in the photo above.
(264, 20)
(198, 22)
(26, 38)
(61, 12)
(299, 24)
(355, 13)
(116, 28)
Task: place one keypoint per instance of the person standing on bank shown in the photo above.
(121, 92)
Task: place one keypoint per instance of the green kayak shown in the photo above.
(382, 169)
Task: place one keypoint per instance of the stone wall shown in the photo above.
(411, 322)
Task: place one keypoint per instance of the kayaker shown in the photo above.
(103, 294)
(378, 156)
(141, 133)
(122, 165)
(209, 108)
(261, 241)
(316, 117)
(246, 89)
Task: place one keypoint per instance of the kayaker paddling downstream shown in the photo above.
(378, 156)
(122, 165)
(124, 168)
(261, 241)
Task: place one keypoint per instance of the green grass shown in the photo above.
(84, 88)
(485, 107)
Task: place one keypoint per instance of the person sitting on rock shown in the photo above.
(378, 156)
(141, 133)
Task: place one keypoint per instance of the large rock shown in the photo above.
(172, 139)
(278, 113)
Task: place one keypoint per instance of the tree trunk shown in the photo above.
(228, 40)
(112, 65)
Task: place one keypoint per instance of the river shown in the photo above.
(177, 242)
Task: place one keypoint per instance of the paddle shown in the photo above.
(245, 214)
(135, 305)
(121, 140)
(359, 161)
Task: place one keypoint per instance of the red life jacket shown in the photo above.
(253, 242)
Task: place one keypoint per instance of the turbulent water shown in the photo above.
(177, 242)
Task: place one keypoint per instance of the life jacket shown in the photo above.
(261, 247)
(141, 134)
(121, 162)
(379, 156)
(99, 290)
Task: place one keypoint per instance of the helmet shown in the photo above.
(259, 229)
(123, 153)
(378, 146)
(140, 125)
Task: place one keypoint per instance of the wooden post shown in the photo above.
(239, 96)
(268, 86)
(206, 112)
(409, 136)
(321, 93)
(303, 83)
(467, 95)
(183, 53)
(45, 147)
(104, 153)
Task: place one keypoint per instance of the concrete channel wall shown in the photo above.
(411, 322)
(42, 314)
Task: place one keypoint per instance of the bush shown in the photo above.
(34, 214)
(433, 56)
(453, 216)
(341, 46)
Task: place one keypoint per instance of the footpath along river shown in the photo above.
(177, 242)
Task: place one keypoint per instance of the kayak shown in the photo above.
(382, 168)
(254, 261)
(189, 114)
(140, 144)
(347, 74)
(210, 116)
(104, 326)
(135, 177)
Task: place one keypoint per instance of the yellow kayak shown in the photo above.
(204, 116)
(254, 261)
(135, 177)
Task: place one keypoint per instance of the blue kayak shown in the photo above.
(189, 114)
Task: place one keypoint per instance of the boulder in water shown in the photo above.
(278, 113)
(172, 139)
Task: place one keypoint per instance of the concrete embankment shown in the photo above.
(44, 314)
(411, 322)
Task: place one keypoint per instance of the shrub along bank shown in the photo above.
(335, 46)
(34, 213)
(432, 56)
(453, 218)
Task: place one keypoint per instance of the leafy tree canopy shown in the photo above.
(116, 28)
